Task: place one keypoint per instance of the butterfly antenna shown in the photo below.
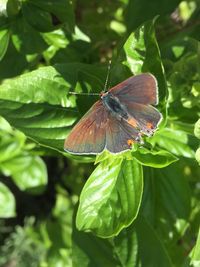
(76, 93)
(107, 76)
(105, 86)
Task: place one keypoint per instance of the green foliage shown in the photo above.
(27, 170)
(23, 247)
(7, 208)
(196, 253)
(121, 183)
(138, 208)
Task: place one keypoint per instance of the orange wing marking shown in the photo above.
(149, 125)
(130, 142)
(132, 122)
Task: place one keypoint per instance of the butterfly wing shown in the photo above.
(141, 88)
(138, 93)
(120, 135)
(144, 117)
(99, 130)
(89, 134)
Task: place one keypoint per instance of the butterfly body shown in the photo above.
(113, 105)
(120, 118)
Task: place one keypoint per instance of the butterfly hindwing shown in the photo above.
(120, 135)
(146, 117)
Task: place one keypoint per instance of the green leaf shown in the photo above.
(138, 12)
(195, 260)
(36, 103)
(38, 113)
(143, 55)
(151, 249)
(111, 197)
(184, 92)
(25, 38)
(106, 155)
(28, 87)
(11, 144)
(197, 129)
(89, 250)
(7, 202)
(139, 245)
(13, 7)
(39, 19)
(135, 49)
(28, 172)
(175, 141)
(131, 248)
(153, 63)
(13, 63)
(4, 41)
(155, 159)
(169, 190)
(62, 9)
(45, 16)
(197, 155)
(126, 246)
(182, 126)
(166, 201)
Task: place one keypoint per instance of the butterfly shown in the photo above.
(119, 119)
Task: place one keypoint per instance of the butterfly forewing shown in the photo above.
(140, 88)
(89, 134)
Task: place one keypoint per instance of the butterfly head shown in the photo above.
(104, 94)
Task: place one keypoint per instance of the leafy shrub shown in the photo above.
(139, 208)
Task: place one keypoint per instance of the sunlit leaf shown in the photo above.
(197, 155)
(7, 202)
(111, 197)
(197, 129)
(26, 39)
(36, 103)
(195, 260)
(4, 40)
(143, 55)
(28, 172)
(156, 159)
(175, 141)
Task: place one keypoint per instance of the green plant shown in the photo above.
(140, 208)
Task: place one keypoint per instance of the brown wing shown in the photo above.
(144, 117)
(89, 134)
(120, 135)
(99, 130)
(138, 93)
(141, 88)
